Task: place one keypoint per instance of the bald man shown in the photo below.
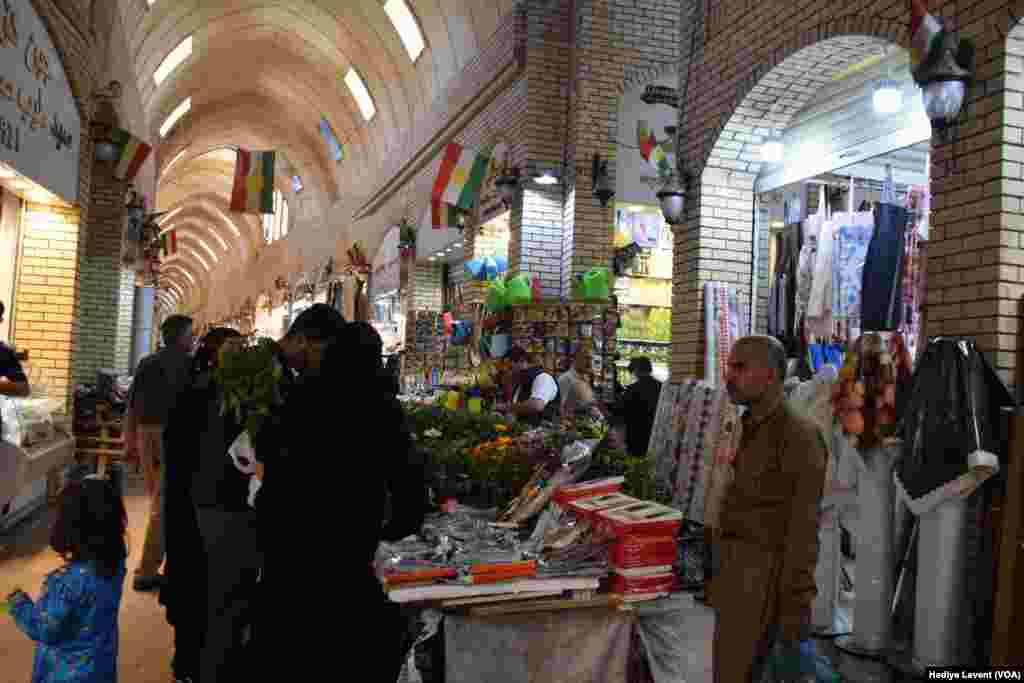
(766, 545)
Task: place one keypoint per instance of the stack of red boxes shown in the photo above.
(587, 489)
(644, 551)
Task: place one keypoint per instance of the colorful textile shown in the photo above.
(169, 243)
(253, 191)
(461, 176)
(334, 148)
(724, 324)
(651, 151)
(819, 303)
(74, 624)
(848, 270)
(133, 153)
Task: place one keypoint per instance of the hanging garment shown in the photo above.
(724, 324)
(777, 297)
(806, 262)
(847, 273)
(819, 302)
(953, 413)
(882, 277)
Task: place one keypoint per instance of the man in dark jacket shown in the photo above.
(637, 407)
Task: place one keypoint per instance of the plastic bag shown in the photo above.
(27, 421)
(518, 290)
(804, 665)
(953, 412)
(501, 264)
(490, 269)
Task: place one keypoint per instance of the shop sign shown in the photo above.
(387, 265)
(490, 199)
(40, 127)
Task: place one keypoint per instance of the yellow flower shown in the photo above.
(500, 428)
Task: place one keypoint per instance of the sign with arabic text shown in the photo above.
(40, 127)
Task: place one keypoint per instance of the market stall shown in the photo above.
(541, 532)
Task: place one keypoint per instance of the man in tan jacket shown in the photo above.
(765, 547)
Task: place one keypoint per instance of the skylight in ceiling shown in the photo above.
(171, 61)
(182, 109)
(360, 93)
(407, 26)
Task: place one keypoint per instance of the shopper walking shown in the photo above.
(158, 384)
(74, 622)
(637, 407)
(348, 451)
(764, 552)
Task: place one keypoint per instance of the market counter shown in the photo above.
(582, 645)
(24, 473)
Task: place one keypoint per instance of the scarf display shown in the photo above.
(724, 322)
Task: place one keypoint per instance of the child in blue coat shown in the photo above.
(74, 622)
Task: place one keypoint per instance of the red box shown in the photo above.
(644, 551)
(660, 583)
(588, 489)
(640, 519)
(589, 508)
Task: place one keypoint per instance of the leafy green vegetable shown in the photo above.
(249, 379)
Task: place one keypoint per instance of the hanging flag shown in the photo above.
(461, 176)
(253, 191)
(924, 33)
(444, 215)
(651, 151)
(132, 154)
(334, 148)
(169, 243)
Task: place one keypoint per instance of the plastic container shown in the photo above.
(641, 519)
(518, 290)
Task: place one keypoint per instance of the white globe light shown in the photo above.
(888, 98)
(771, 152)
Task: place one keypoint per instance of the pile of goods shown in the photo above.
(867, 397)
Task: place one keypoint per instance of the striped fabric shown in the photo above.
(444, 215)
(253, 191)
(461, 176)
(169, 243)
(133, 153)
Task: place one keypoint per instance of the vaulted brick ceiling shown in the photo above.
(261, 75)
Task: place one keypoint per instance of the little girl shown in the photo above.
(74, 622)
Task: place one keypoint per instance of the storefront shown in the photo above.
(40, 150)
(386, 290)
(644, 290)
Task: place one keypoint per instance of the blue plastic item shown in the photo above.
(462, 332)
(474, 269)
(490, 268)
(502, 264)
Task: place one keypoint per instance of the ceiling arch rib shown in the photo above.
(194, 239)
(197, 277)
(327, 37)
(245, 121)
(243, 232)
(173, 281)
(171, 288)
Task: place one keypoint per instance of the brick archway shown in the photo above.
(716, 242)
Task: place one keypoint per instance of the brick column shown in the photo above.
(106, 296)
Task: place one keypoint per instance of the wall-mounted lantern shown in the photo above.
(507, 184)
(943, 66)
(603, 190)
(104, 121)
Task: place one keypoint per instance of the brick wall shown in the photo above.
(757, 66)
(45, 293)
(99, 299)
(125, 321)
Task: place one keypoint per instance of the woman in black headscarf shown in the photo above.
(184, 591)
(327, 493)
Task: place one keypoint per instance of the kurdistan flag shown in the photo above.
(461, 176)
(253, 191)
(652, 152)
(169, 243)
(925, 30)
(132, 153)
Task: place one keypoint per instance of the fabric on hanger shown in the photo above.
(851, 253)
(882, 285)
(808, 253)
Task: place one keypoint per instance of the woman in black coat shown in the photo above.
(183, 593)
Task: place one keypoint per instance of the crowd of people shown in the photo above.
(289, 574)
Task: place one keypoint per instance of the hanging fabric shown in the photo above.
(808, 255)
(882, 276)
(819, 306)
(851, 247)
(777, 296)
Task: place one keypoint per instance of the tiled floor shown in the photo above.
(145, 648)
